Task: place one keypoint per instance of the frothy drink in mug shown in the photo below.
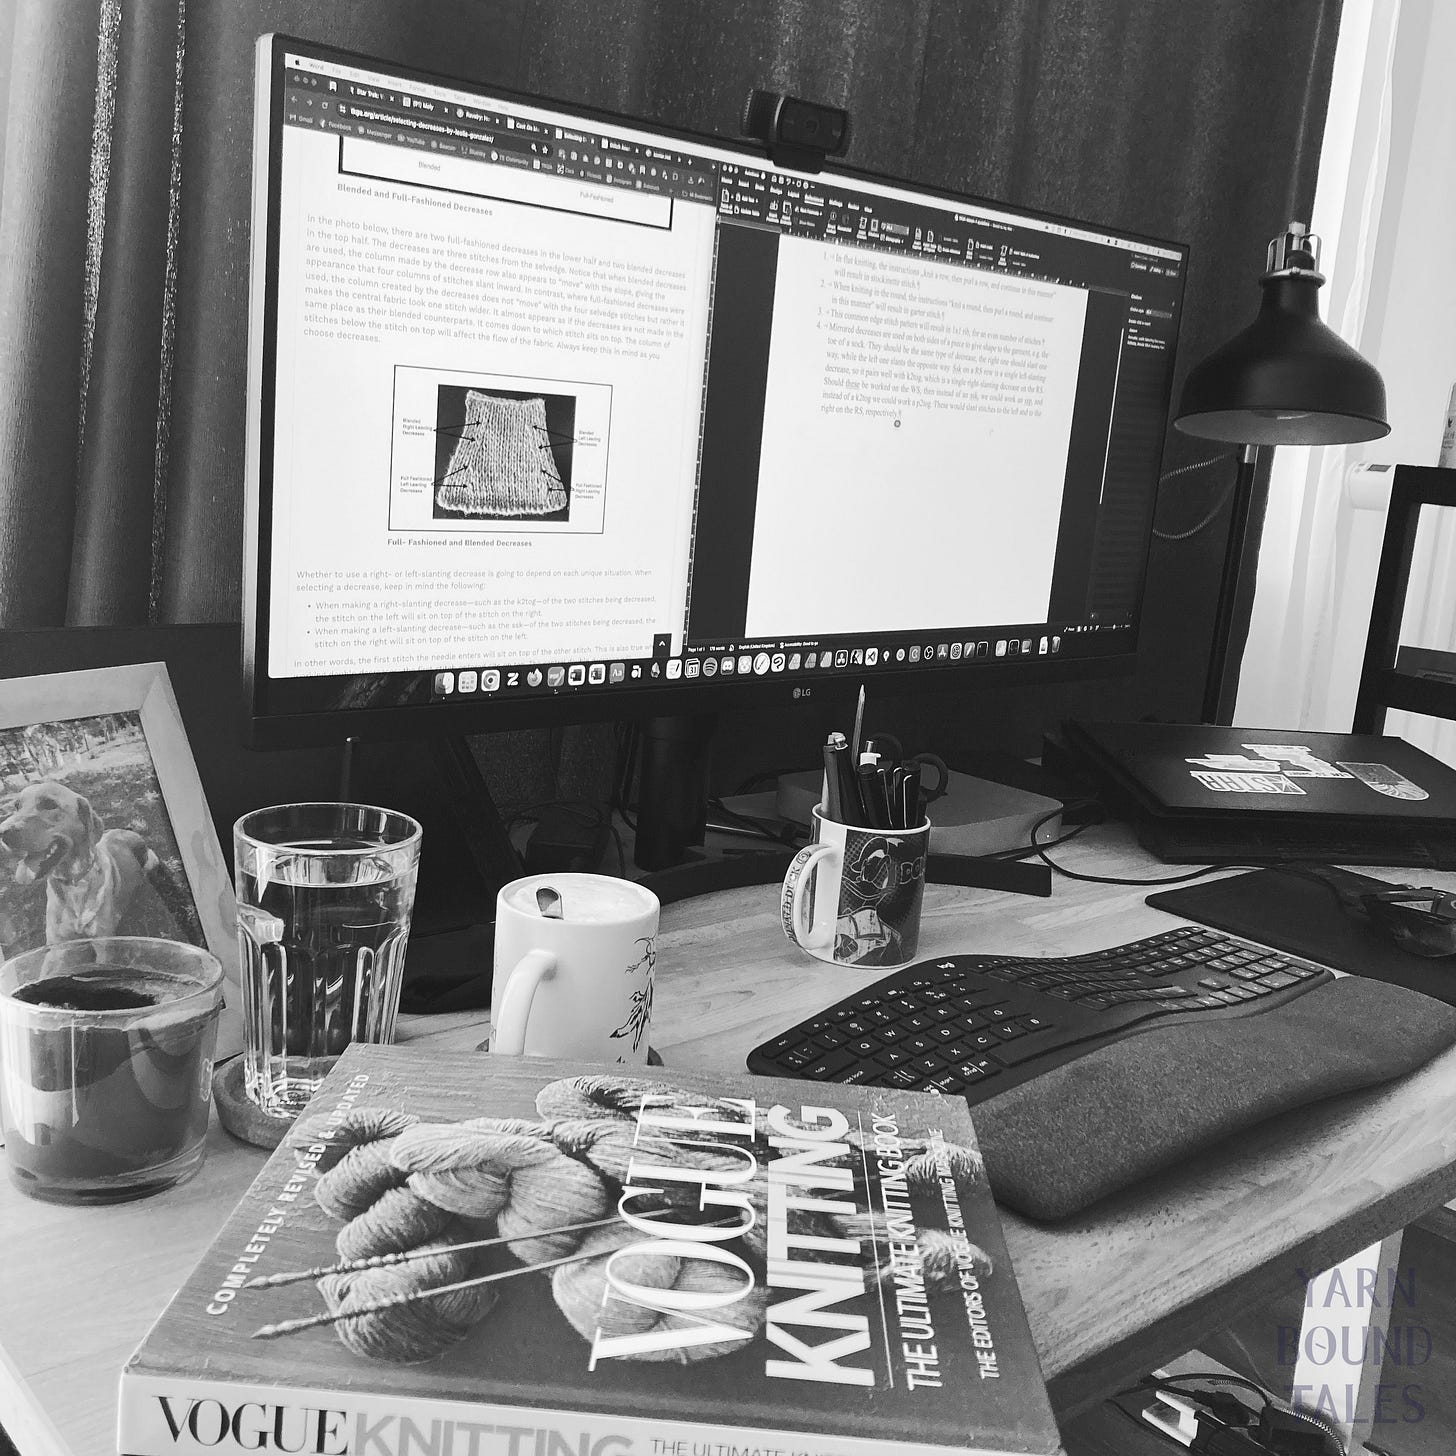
(574, 962)
(585, 899)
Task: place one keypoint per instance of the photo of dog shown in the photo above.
(86, 848)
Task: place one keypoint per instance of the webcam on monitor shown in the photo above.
(798, 133)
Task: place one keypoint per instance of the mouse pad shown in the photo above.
(1292, 912)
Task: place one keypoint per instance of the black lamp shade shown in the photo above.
(1287, 379)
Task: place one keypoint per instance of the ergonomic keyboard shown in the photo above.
(977, 1025)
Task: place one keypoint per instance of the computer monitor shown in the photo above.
(559, 416)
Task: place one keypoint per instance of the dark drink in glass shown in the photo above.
(106, 1066)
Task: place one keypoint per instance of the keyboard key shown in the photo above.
(906, 1077)
(782, 1043)
(980, 1067)
(1277, 980)
(828, 1068)
(947, 1083)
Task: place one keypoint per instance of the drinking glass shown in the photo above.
(324, 896)
(106, 1066)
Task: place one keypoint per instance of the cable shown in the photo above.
(1144, 1427)
(787, 836)
(1035, 847)
(1214, 511)
(1237, 1427)
(1173, 1382)
(1164, 880)
(1040, 851)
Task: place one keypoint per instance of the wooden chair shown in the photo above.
(1414, 679)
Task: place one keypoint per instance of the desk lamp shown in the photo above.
(1287, 379)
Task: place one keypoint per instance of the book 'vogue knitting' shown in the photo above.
(507, 1256)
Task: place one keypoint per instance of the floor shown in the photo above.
(1417, 1412)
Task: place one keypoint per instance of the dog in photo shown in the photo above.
(92, 874)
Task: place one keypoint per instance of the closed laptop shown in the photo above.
(1203, 791)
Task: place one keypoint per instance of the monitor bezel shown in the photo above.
(334, 724)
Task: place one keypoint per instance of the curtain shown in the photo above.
(1393, 115)
(125, 198)
(1300, 666)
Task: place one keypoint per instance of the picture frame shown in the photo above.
(104, 823)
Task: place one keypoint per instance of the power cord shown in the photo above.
(1214, 511)
(1039, 848)
(1222, 1425)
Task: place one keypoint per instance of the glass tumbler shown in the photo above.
(106, 1066)
(324, 896)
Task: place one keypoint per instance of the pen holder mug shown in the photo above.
(574, 958)
(852, 896)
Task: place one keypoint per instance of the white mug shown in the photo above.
(574, 957)
(853, 895)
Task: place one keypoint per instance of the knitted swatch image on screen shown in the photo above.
(502, 465)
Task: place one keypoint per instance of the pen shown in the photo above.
(908, 796)
(832, 799)
(843, 805)
(886, 745)
(858, 726)
(897, 796)
(874, 796)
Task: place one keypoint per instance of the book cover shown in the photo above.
(567, 1261)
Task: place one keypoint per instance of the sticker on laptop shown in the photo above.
(1385, 780)
(1234, 763)
(1297, 760)
(1246, 783)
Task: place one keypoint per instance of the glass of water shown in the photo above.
(324, 896)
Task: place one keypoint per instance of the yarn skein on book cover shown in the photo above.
(495, 1256)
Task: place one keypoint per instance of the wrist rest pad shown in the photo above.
(1136, 1106)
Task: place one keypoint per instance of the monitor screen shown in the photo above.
(557, 415)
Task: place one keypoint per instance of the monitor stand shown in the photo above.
(672, 796)
(466, 854)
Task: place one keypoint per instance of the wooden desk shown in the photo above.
(1109, 1295)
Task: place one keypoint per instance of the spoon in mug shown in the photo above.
(548, 902)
